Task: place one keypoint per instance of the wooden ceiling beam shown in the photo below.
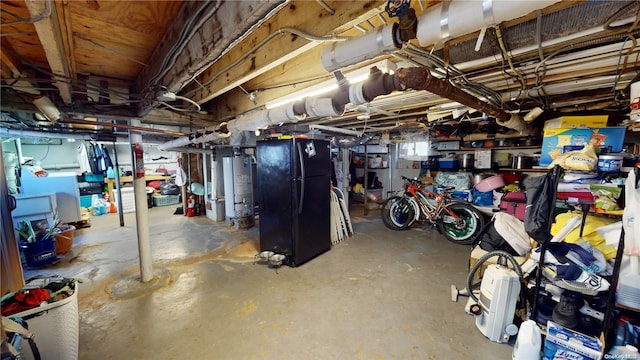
(305, 16)
(48, 30)
(229, 20)
(12, 69)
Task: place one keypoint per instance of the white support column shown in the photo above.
(142, 213)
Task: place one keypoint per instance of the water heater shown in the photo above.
(238, 190)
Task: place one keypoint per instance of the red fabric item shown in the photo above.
(155, 184)
(25, 300)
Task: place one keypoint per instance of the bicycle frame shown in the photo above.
(420, 200)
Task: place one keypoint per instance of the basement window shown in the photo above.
(415, 151)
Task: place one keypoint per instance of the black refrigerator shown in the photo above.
(294, 179)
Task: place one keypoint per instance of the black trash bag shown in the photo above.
(169, 188)
(541, 194)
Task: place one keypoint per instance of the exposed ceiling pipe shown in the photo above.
(377, 84)
(334, 129)
(39, 134)
(121, 126)
(349, 143)
(434, 26)
(420, 78)
(438, 24)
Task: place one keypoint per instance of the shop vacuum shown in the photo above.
(494, 305)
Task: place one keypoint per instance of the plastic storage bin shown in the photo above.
(164, 200)
(128, 200)
(56, 329)
(39, 253)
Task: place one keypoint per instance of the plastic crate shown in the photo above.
(163, 200)
(128, 200)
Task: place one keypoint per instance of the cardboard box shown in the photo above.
(555, 140)
(564, 343)
(577, 122)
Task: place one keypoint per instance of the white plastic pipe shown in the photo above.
(455, 18)
(356, 50)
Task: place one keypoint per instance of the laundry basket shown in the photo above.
(55, 327)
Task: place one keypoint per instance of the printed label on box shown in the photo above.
(556, 139)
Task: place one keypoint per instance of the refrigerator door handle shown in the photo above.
(301, 199)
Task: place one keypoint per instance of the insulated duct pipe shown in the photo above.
(435, 25)
(181, 141)
(438, 24)
(356, 50)
(264, 118)
(377, 84)
(37, 134)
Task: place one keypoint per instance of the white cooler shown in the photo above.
(55, 328)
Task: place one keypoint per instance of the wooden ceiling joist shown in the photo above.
(230, 20)
(12, 69)
(48, 30)
(305, 16)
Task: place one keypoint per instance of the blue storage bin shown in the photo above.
(85, 201)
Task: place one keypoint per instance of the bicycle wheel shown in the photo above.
(397, 213)
(463, 231)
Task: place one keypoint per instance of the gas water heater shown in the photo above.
(238, 190)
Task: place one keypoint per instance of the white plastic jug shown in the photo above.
(627, 352)
(529, 342)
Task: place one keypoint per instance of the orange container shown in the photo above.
(64, 239)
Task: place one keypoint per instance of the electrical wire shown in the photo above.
(615, 82)
(186, 35)
(541, 55)
(68, 80)
(264, 41)
(21, 20)
(611, 19)
(178, 97)
(505, 54)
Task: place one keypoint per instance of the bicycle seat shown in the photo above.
(449, 188)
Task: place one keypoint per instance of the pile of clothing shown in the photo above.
(30, 297)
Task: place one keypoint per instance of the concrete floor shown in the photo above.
(381, 294)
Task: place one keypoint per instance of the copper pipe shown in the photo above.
(122, 126)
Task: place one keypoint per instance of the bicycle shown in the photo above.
(458, 221)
